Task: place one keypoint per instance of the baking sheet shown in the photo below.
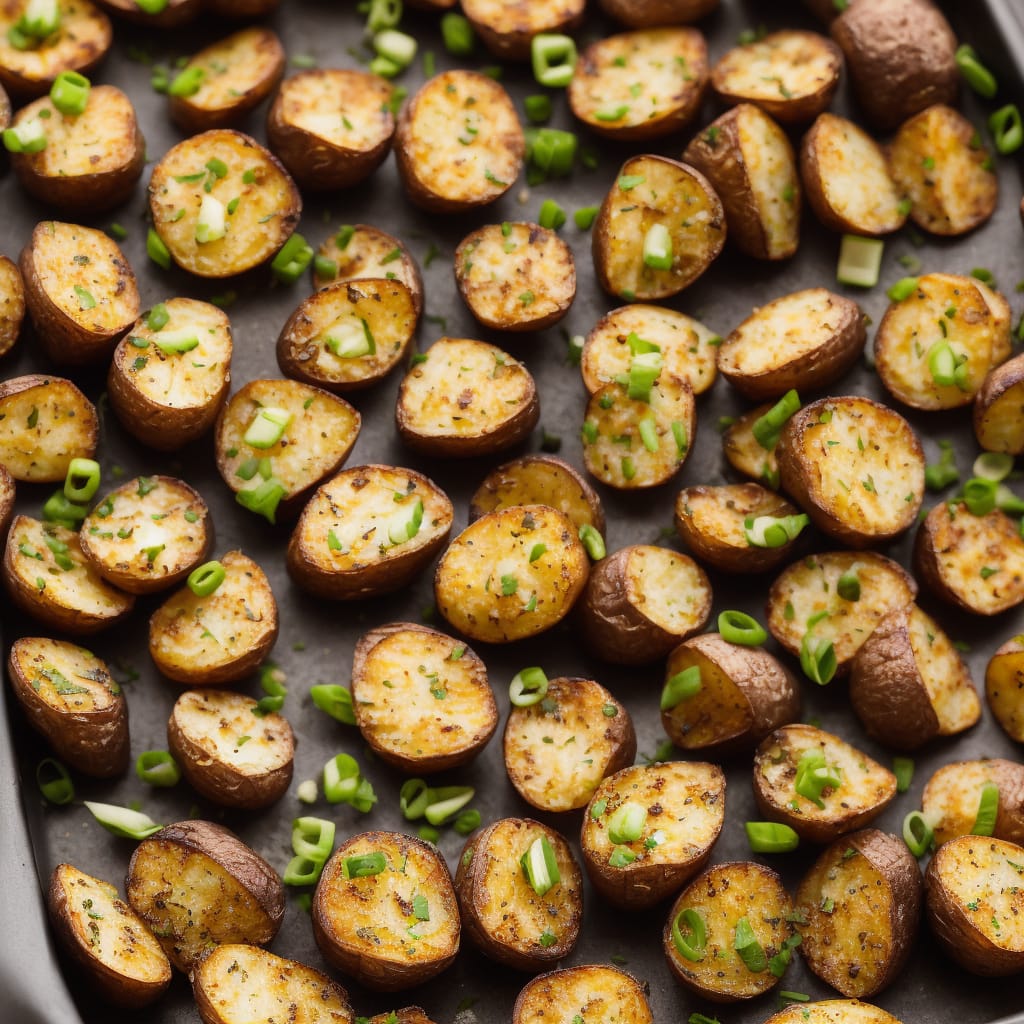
(317, 637)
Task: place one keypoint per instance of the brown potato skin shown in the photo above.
(5, 109)
(12, 298)
(567, 15)
(175, 14)
(655, 13)
(1009, 779)
(7, 495)
(997, 383)
(900, 57)
(1011, 719)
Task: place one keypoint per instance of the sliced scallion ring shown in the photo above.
(917, 833)
(54, 782)
(528, 687)
(593, 542)
(157, 768)
(335, 700)
(766, 428)
(205, 579)
(988, 811)
(770, 837)
(364, 865)
(682, 686)
(313, 838)
(540, 866)
(626, 824)
(741, 628)
(302, 870)
(267, 427)
(413, 798)
(692, 944)
(995, 466)
(818, 658)
(82, 480)
(123, 821)
(750, 951)
(773, 531)
(980, 495)
(447, 802)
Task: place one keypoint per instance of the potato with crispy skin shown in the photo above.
(951, 801)
(745, 453)
(1004, 687)
(7, 495)
(998, 425)
(652, 13)
(507, 28)
(832, 1011)
(605, 993)
(12, 300)
(175, 14)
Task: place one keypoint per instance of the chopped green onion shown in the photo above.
(313, 838)
(350, 338)
(644, 370)
(773, 531)
(123, 821)
(818, 659)
(157, 251)
(157, 768)
(364, 865)
(917, 833)
(325, 268)
(692, 945)
(58, 509)
(204, 580)
(1007, 129)
(554, 59)
(210, 223)
(383, 14)
(413, 798)
(27, 137)
(264, 499)
(187, 82)
(592, 540)
(585, 216)
(537, 108)
(291, 260)
(528, 687)
(428, 833)
(648, 430)
(750, 951)
(395, 46)
(307, 791)
(988, 811)
(622, 856)
(980, 495)
(540, 866)
(993, 466)
(626, 825)
(766, 428)
(302, 871)
(334, 700)
(902, 289)
(467, 822)
(770, 837)
(267, 427)
(848, 587)
(682, 686)
(457, 33)
(1008, 502)
(70, 93)
(54, 782)
(939, 475)
(778, 963)
(860, 260)
(975, 74)
(657, 248)
(903, 769)
(814, 776)
(40, 19)
(551, 215)
(406, 522)
(158, 317)
(176, 342)
(446, 802)
(82, 480)
(741, 628)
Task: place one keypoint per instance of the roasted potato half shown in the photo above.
(640, 85)
(367, 531)
(200, 234)
(745, 453)
(832, 1011)
(385, 912)
(48, 577)
(512, 920)
(683, 809)
(515, 276)
(45, 422)
(1004, 687)
(331, 127)
(514, 573)
(952, 798)
(998, 425)
(7, 494)
(196, 885)
(855, 467)
(421, 699)
(440, 171)
(640, 602)
(283, 431)
(976, 904)
(70, 698)
(229, 750)
(652, 13)
(862, 904)
(818, 814)
(220, 638)
(175, 14)
(847, 181)
(109, 944)
(749, 162)
(242, 984)
(12, 300)
(908, 683)
(723, 897)
(661, 225)
(605, 993)
(975, 563)
(558, 750)
(80, 291)
(791, 75)
(464, 397)
(507, 29)
(744, 693)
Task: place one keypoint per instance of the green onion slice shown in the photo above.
(814, 776)
(592, 540)
(741, 628)
(302, 870)
(626, 824)
(974, 73)
(446, 802)
(335, 700)
(682, 686)
(657, 248)
(540, 866)
(818, 659)
(553, 57)
(70, 93)
(691, 945)
(313, 838)
(267, 427)
(766, 428)
(860, 260)
(770, 837)
(341, 779)
(773, 531)
(902, 289)
(988, 810)
(917, 833)
(54, 782)
(995, 466)
(413, 798)
(750, 951)
(980, 495)
(82, 480)
(157, 768)
(903, 769)
(123, 821)
(848, 587)
(204, 580)
(364, 865)
(467, 822)
(292, 259)
(528, 687)
(1007, 129)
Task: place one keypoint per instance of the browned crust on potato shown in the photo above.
(12, 298)
(618, 992)
(7, 494)
(998, 384)
(507, 28)
(955, 779)
(652, 13)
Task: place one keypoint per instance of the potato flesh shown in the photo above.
(745, 454)
(944, 675)
(1002, 321)
(771, 170)
(1004, 687)
(832, 1011)
(83, 37)
(523, 17)
(348, 109)
(782, 66)
(719, 711)
(12, 296)
(951, 798)
(600, 994)
(721, 512)
(234, 67)
(370, 253)
(668, 588)
(69, 678)
(1000, 425)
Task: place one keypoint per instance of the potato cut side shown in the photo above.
(12, 300)
(45, 422)
(1004, 687)
(952, 797)
(219, 638)
(49, 577)
(422, 700)
(512, 574)
(640, 85)
(684, 804)
(392, 929)
(507, 29)
(266, 214)
(606, 994)
(722, 896)
(1002, 321)
(745, 453)
(940, 163)
(688, 349)
(106, 938)
(864, 791)
(944, 673)
(515, 276)
(832, 1011)
(998, 423)
(558, 751)
(459, 143)
(242, 984)
(655, 193)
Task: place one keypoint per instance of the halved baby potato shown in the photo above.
(975, 563)
(80, 291)
(951, 800)
(998, 425)
(464, 397)
(507, 29)
(368, 531)
(807, 339)
(232, 76)
(908, 683)
(749, 162)
(743, 694)
(505, 916)
(206, 232)
(459, 143)
(652, 13)
(682, 808)
(745, 453)
(605, 993)
(640, 602)
(1004, 687)
(832, 1011)
(112, 947)
(513, 573)
(640, 85)
(385, 912)
(791, 74)
(515, 276)
(661, 225)
(348, 336)
(331, 127)
(421, 698)
(855, 467)
(69, 696)
(12, 300)
(219, 638)
(174, 14)
(558, 750)
(230, 751)
(48, 577)
(7, 495)
(45, 422)
(196, 885)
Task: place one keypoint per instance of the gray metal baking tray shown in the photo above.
(317, 637)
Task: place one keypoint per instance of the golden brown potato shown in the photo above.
(385, 913)
(951, 800)
(746, 454)
(640, 602)
(640, 85)
(109, 944)
(832, 1011)
(80, 291)
(70, 698)
(606, 993)
(7, 495)
(682, 807)
(651, 13)
(507, 28)
(998, 425)
(331, 128)
(1004, 687)
(174, 14)
(749, 162)
(12, 300)
(505, 916)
